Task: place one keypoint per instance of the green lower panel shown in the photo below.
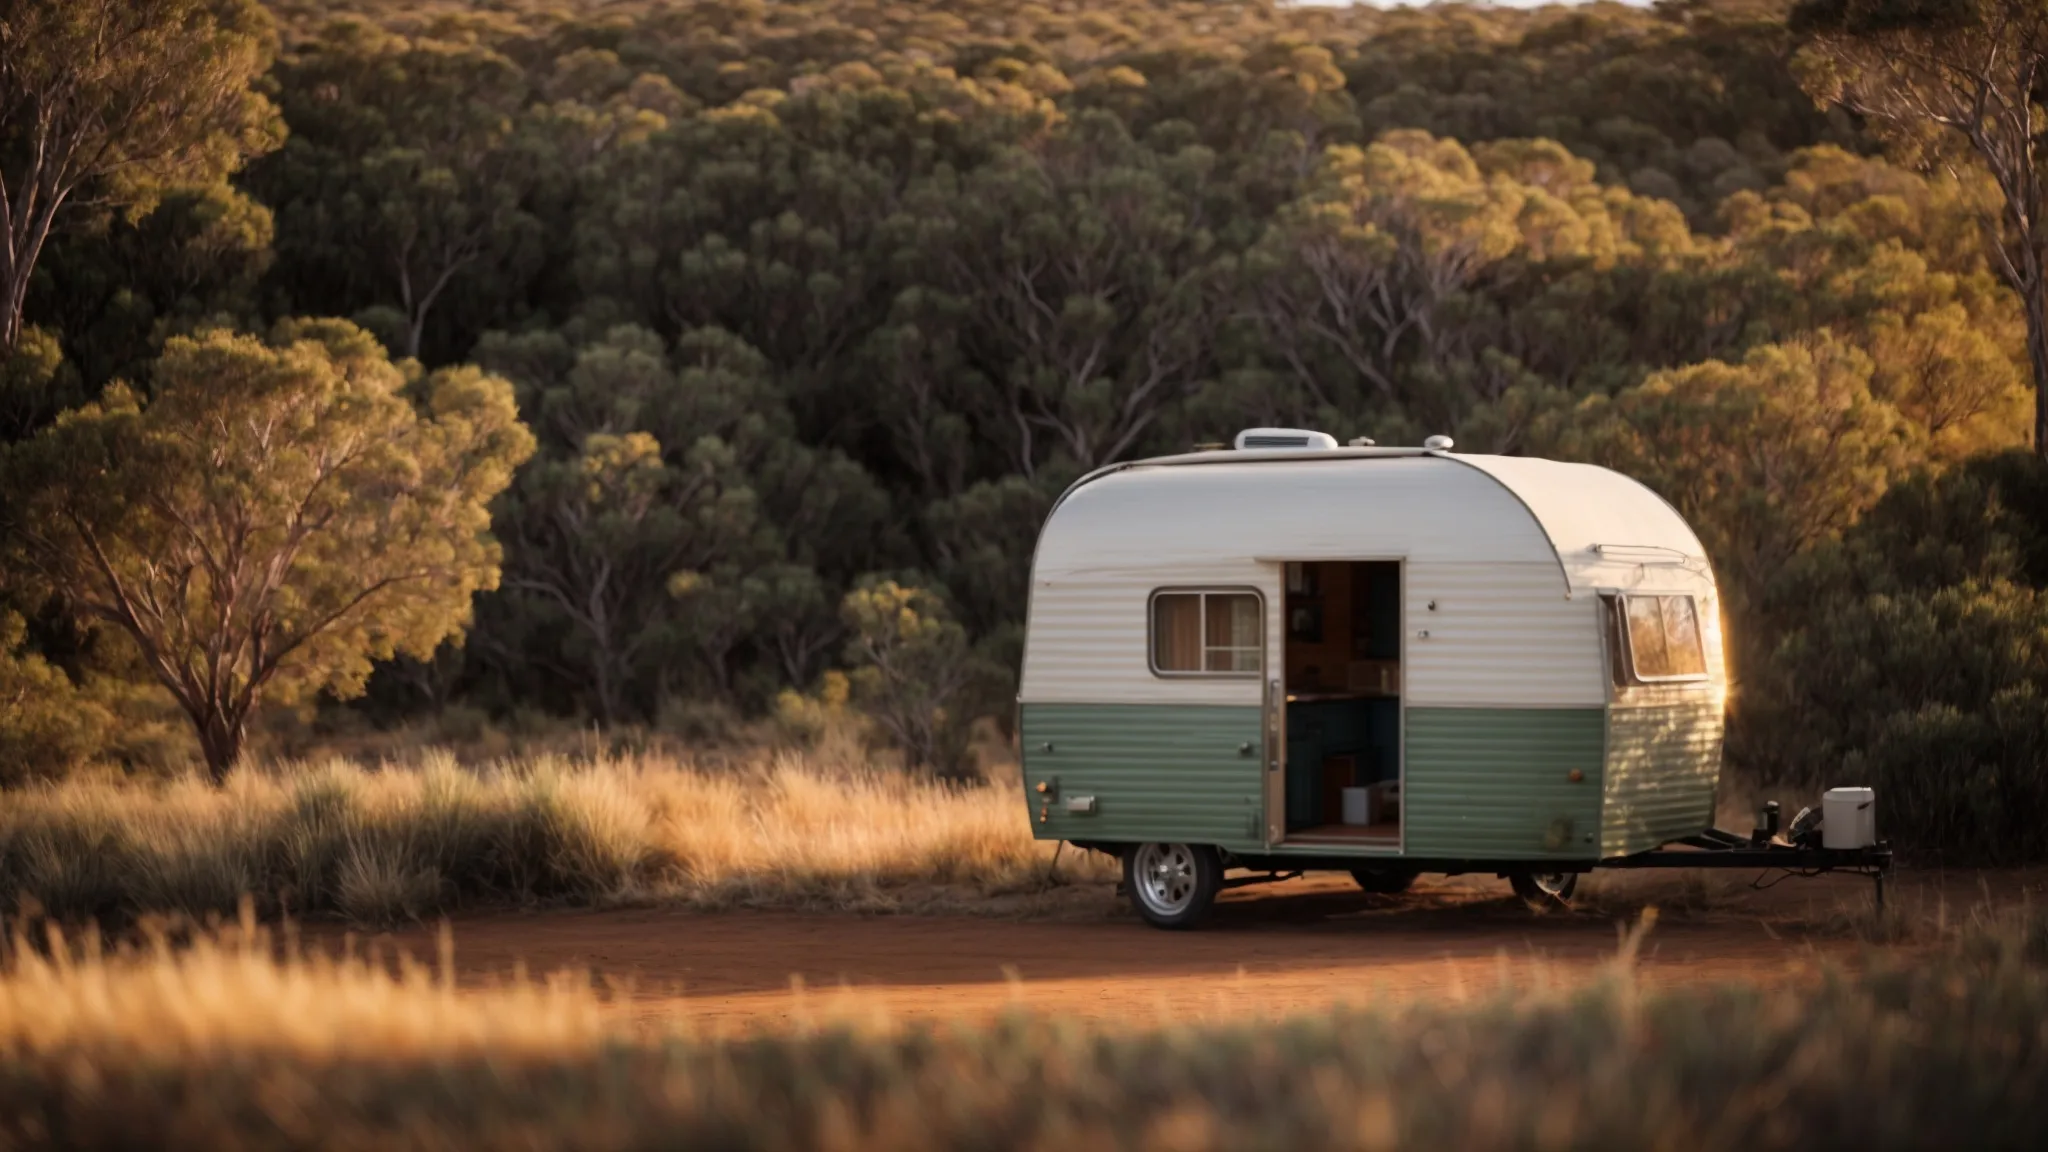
(1663, 765)
(1157, 772)
(1495, 783)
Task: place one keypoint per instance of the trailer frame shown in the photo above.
(1713, 849)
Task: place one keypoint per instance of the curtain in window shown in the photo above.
(1177, 632)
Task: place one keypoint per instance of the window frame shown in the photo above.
(1202, 611)
(1625, 631)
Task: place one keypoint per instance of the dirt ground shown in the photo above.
(1269, 950)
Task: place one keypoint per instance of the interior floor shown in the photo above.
(1385, 832)
(1343, 694)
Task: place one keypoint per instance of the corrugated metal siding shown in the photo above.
(1158, 773)
(1494, 783)
(1501, 635)
(1663, 766)
(1089, 636)
(1115, 540)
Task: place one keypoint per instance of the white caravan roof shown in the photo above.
(1600, 527)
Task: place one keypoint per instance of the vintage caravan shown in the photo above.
(1291, 655)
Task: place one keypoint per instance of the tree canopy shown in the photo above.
(1955, 75)
(813, 308)
(276, 517)
(108, 103)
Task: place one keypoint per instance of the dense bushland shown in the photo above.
(811, 310)
(1913, 653)
(223, 1044)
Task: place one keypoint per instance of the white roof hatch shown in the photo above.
(1298, 439)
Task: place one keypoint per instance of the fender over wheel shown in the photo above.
(1172, 885)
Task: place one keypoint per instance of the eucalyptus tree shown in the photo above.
(777, 217)
(409, 171)
(1092, 276)
(1891, 260)
(675, 528)
(279, 515)
(1765, 458)
(115, 293)
(107, 103)
(1949, 77)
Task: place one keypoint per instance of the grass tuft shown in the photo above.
(383, 845)
(236, 1042)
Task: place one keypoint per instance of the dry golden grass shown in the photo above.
(335, 837)
(228, 1044)
(245, 989)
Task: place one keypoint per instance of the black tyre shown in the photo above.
(1542, 890)
(1172, 885)
(1383, 881)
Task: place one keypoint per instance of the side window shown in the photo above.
(1207, 634)
(1661, 635)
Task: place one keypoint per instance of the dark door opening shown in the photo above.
(1342, 657)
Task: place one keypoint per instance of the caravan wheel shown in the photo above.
(1541, 890)
(1172, 885)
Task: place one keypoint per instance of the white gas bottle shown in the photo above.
(1848, 818)
(1357, 806)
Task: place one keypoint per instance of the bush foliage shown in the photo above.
(800, 300)
(1914, 656)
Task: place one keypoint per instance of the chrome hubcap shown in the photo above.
(1165, 877)
(1550, 882)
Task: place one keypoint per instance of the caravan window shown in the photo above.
(1206, 633)
(1663, 634)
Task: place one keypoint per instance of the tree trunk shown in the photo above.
(25, 247)
(13, 299)
(608, 704)
(220, 741)
(2036, 304)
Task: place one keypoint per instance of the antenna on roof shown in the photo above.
(1438, 443)
(1362, 442)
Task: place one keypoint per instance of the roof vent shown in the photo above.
(1283, 438)
(1438, 443)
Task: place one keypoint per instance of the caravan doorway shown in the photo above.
(1342, 673)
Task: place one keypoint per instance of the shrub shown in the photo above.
(914, 673)
(1913, 656)
(47, 727)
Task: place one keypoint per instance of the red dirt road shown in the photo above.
(1268, 951)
